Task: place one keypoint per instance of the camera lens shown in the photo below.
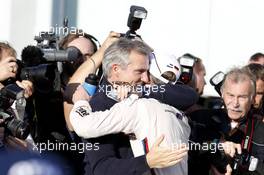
(17, 128)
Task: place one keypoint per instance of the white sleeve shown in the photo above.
(88, 124)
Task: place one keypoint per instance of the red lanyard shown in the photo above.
(246, 142)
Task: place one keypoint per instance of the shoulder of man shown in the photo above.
(100, 102)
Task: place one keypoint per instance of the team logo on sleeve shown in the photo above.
(83, 111)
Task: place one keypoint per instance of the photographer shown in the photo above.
(194, 76)
(53, 100)
(87, 44)
(199, 161)
(9, 68)
(61, 59)
(8, 71)
(258, 141)
(258, 71)
(236, 123)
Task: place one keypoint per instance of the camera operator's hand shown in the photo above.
(27, 86)
(89, 66)
(160, 157)
(8, 68)
(80, 94)
(230, 148)
(112, 37)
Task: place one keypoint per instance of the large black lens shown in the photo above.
(17, 128)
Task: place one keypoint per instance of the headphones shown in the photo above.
(70, 68)
(94, 41)
(96, 45)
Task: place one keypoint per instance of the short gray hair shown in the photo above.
(119, 51)
(238, 75)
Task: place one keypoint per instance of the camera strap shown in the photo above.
(247, 141)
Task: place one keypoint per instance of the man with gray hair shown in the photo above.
(146, 118)
(238, 93)
(125, 62)
(236, 123)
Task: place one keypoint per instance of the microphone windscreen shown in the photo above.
(31, 56)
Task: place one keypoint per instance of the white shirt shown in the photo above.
(146, 118)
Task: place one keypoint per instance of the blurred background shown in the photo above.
(222, 33)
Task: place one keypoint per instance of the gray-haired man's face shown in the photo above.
(135, 73)
(237, 98)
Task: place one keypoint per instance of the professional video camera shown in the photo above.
(47, 51)
(12, 125)
(187, 62)
(40, 63)
(244, 162)
(134, 20)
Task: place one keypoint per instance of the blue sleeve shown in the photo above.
(179, 96)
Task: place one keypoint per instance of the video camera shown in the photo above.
(12, 125)
(134, 20)
(47, 51)
(40, 63)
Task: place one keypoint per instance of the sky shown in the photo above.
(222, 33)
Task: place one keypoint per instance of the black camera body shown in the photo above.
(9, 94)
(244, 162)
(13, 126)
(135, 17)
(40, 63)
(46, 40)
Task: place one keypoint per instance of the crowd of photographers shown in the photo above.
(124, 108)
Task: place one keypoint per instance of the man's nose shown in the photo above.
(145, 77)
(236, 102)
